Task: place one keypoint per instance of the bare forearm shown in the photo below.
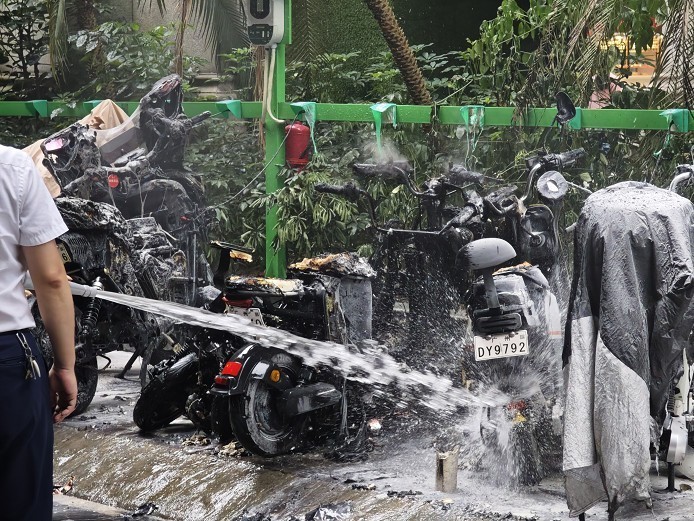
(57, 312)
(55, 300)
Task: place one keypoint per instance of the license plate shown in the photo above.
(504, 345)
(253, 314)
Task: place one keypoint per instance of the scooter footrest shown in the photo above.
(498, 324)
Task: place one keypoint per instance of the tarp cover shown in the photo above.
(629, 318)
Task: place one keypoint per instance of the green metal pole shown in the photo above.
(276, 260)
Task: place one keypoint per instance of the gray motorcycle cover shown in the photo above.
(628, 321)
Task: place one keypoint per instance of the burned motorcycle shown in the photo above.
(179, 384)
(136, 256)
(415, 264)
(136, 166)
(98, 251)
(269, 399)
(513, 312)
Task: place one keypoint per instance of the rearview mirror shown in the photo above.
(566, 110)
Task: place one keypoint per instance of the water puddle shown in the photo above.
(369, 363)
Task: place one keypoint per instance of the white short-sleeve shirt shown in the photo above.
(28, 217)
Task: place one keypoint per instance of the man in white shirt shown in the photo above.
(31, 399)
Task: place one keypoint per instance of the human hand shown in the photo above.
(63, 384)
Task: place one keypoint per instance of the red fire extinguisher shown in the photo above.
(298, 145)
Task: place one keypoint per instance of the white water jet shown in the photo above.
(367, 363)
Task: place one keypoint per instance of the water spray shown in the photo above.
(368, 363)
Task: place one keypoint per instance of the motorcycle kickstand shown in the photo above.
(612, 508)
(128, 365)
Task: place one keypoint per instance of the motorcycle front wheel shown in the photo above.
(512, 447)
(257, 419)
(525, 453)
(87, 374)
(86, 369)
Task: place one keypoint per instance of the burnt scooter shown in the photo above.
(273, 399)
(265, 397)
(179, 384)
(104, 250)
(139, 165)
(415, 263)
(510, 309)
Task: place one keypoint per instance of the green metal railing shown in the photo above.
(678, 120)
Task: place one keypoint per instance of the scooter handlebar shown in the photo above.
(458, 175)
(395, 171)
(196, 120)
(348, 191)
(565, 159)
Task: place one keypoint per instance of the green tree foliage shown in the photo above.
(525, 55)
(132, 59)
(23, 41)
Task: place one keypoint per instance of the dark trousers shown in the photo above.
(26, 435)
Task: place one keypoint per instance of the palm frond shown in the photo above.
(584, 27)
(221, 23)
(58, 33)
(579, 30)
(308, 44)
(673, 72)
(598, 21)
(147, 4)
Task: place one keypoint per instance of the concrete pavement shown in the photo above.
(68, 508)
(113, 463)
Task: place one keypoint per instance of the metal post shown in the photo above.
(671, 477)
(276, 260)
(447, 470)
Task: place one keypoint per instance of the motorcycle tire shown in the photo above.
(255, 419)
(86, 369)
(87, 374)
(164, 398)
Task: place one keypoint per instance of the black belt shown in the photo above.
(15, 331)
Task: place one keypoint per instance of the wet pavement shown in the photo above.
(190, 480)
(67, 508)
